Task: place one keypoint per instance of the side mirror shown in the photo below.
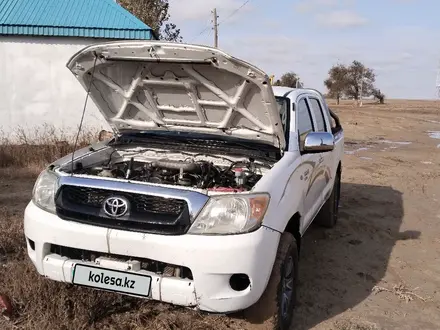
(317, 142)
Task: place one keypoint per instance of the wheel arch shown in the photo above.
(293, 227)
(339, 173)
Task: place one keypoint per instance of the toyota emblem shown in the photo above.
(115, 207)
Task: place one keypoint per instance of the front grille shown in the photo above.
(146, 213)
(158, 205)
(154, 266)
(142, 203)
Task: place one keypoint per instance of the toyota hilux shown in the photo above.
(203, 193)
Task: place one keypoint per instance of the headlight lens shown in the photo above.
(44, 191)
(226, 215)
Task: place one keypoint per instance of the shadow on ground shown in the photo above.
(339, 267)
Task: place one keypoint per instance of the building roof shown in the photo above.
(71, 18)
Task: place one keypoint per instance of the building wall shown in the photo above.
(37, 89)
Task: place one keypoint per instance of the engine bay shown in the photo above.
(238, 176)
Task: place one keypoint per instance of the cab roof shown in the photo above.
(294, 92)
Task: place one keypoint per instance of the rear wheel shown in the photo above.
(328, 215)
(275, 308)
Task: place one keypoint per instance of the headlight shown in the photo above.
(44, 191)
(225, 215)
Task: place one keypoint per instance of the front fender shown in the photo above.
(283, 183)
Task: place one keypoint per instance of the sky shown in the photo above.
(398, 39)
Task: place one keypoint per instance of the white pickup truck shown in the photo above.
(203, 194)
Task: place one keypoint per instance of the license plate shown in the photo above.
(113, 280)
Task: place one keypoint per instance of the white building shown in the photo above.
(37, 38)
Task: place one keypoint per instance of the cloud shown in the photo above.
(395, 62)
(307, 6)
(332, 13)
(272, 24)
(193, 10)
(341, 19)
(311, 5)
(403, 55)
(268, 51)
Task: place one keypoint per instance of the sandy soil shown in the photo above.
(379, 268)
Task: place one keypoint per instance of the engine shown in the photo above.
(239, 176)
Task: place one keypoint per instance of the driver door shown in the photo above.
(324, 174)
(310, 164)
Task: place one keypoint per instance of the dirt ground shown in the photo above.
(379, 268)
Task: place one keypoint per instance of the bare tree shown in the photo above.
(337, 82)
(379, 95)
(350, 81)
(288, 79)
(155, 14)
(359, 76)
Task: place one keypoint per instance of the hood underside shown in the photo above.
(153, 85)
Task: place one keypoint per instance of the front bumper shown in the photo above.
(211, 259)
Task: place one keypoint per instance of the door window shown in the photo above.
(319, 117)
(305, 124)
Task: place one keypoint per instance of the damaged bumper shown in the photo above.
(222, 273)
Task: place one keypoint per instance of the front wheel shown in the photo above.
(275, 308)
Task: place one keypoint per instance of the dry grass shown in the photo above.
(11, 237)
(355, 325)
(40, 147)
(44, 304)
(401, 291)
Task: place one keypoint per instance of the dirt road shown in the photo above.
(378, 269)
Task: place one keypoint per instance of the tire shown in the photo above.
(328, 215)
(274, 310)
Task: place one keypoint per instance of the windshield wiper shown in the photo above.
(150, 137)
(196, 141)
(250, 146)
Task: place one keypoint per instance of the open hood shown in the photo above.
(154, 85)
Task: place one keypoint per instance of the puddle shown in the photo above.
(396, 142)
(352, 152)
(434, 134)
(427, 163)
(366, 158)
(392, 145)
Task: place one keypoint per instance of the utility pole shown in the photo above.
(437, 83)
(215, 28)
(361, 88)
